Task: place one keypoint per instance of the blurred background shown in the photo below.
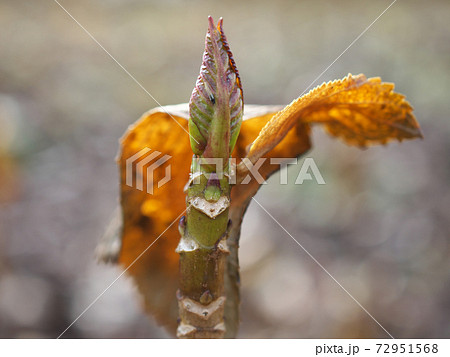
(380, 225)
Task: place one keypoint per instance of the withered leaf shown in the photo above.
(146, 216)
(361, 111)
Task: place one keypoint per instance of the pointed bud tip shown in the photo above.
(216, 103)
(210, 23)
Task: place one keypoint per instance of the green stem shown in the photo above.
(203, 254)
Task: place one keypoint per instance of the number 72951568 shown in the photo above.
(407, 348)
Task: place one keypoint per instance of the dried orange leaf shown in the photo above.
(146, 216)
(359, 110)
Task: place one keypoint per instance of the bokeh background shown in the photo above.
(380, 225)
